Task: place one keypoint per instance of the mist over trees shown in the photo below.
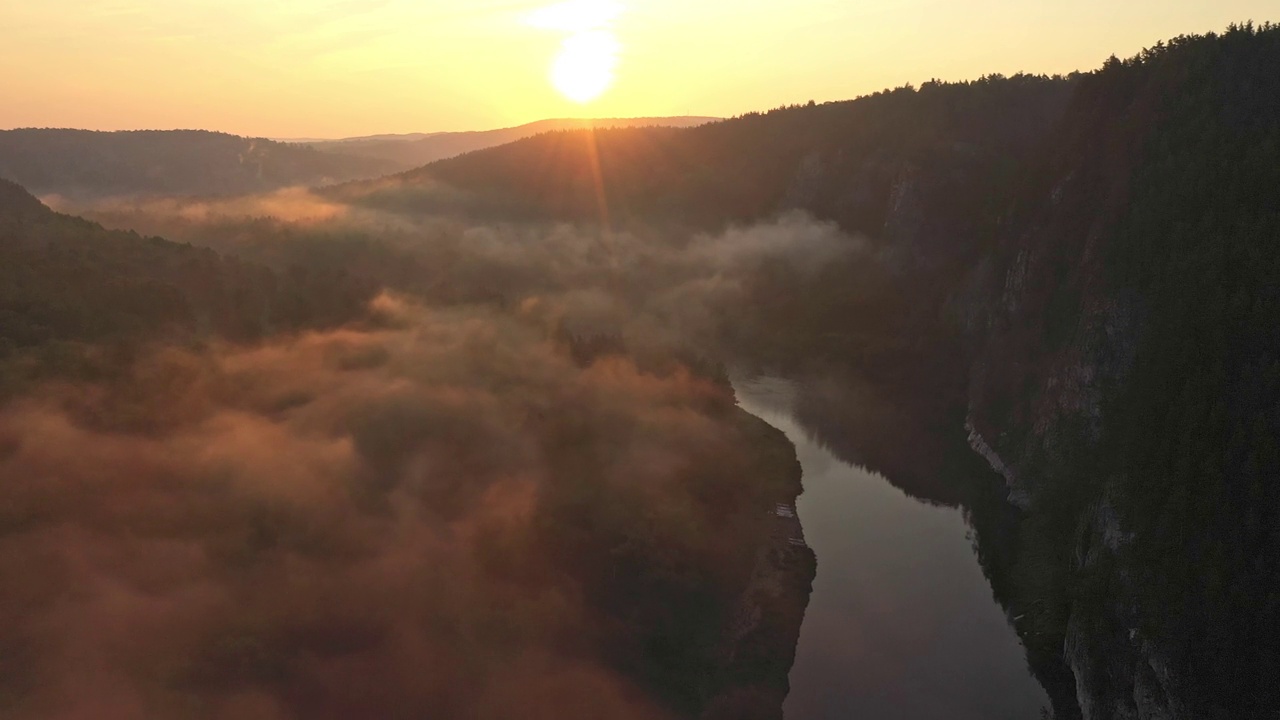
(513, 473)
(66, 284)
(457, 507)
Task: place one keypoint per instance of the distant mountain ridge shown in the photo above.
(91, 164)
(88, 164)
(417, 149)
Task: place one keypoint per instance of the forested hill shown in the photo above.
(412, 151)
(749, 167)
(66, 280)
(88, 164)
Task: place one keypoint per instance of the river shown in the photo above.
(902, 623)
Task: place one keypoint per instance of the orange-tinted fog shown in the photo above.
(368, 522)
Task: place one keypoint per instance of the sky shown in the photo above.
(338, 68)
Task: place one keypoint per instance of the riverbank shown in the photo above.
(759, 645)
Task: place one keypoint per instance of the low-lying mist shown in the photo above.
(650, 283)
(409, 520)
(518, 486)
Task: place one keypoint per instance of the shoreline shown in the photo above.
(760, 642)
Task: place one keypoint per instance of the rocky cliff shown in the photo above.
(1120, 381)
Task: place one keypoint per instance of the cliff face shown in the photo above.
(1120, 382)
(1054, 342)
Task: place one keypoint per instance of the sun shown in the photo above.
(584, 68)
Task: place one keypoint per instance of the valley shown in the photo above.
(293, 433)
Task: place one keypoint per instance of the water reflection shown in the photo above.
(901, 623)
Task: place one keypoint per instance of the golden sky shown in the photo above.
(332, 68)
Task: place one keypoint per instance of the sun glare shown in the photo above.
(584, 68)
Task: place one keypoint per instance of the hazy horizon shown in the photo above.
(279, 70)
(372, 135)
